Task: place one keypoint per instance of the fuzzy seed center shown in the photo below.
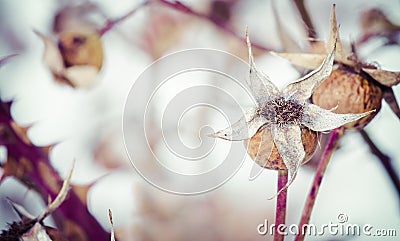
(282, 112)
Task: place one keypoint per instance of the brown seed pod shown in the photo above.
(345, 91)
(274, 160)
(81, 48)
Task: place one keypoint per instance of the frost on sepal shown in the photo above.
(385, 77)
(288, 141)
(304, 87)
(259, 83)
(319, 119)
(243, 129)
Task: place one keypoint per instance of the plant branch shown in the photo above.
(385, 161)
(306, 18)
(280, 212)
(326, 155)
(111, 23)
(390, 98)
(183, 8)
(31, 166)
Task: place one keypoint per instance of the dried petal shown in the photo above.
(304, 87)
(287, 139)
(319, 119)
(334, 40)
(306, 60)
(387, 78)
(243, 129)
(260, 84)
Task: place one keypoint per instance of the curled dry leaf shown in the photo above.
(305, 60)
(387, 78)
(75, 59)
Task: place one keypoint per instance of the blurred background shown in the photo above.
(86, 124)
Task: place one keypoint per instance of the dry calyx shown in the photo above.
(354, 86)
(75, 58)
(280, 130)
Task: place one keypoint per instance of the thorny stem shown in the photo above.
(183, 8)
(306, 18)
(326, 155)
(33, 169)
(385, 160)
(280, 212)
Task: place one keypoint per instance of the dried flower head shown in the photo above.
(356, 86)
(346, 92)
(281, 113)
(75, 59)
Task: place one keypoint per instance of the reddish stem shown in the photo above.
(280, 212)
(111, 23)
(385, 160)
(326, 156)
(33, 168)
(183, 8)
(306, 18)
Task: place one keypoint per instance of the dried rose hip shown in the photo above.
(345, 91)
(274, 161)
